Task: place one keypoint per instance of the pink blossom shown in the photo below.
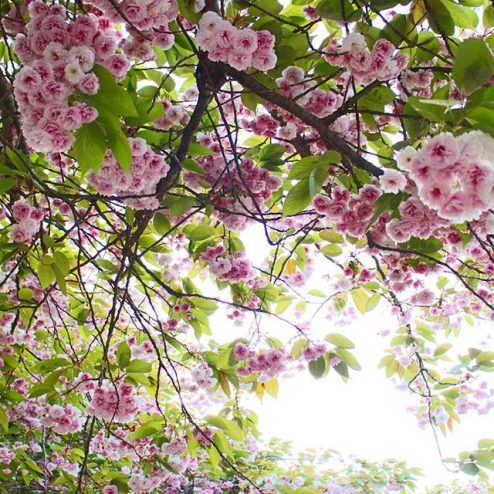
(392, 181)
(21, 210)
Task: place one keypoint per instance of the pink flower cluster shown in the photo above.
(62, 420)
(350, 214)
(147, 22)
(138, 186)
(242, 191)
(322, 103)
(423, 297)
(365, 66)
(454, 175)
(392, 181)
(417, 82)
(58, 57)
(27, 221)
(174, 115)
(270, 363)
(6, 456)
(416, 220)
(115, 403)
(232, 268)
(62, 463)
(240, 48)
(140, 483)
(203, 375)
(313, 352)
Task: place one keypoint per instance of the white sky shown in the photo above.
(365, 416)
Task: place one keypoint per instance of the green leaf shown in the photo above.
(342, 369)
(62, 262)
(488, 17)
(372, 302)
(331, 250)
(139, 366)
(360, 298)
(440, 19)
(4, 420)
(196, 149)
(428, 246)
(89, 147)
(60, 277)
(120, 147)
(469, 468)
(398, 29)
(112, 96)
(147, 430)
(338, 10)
(186, 8)
(297, 198)
(40, 390)
(430, 109)
(271, 152)
(161, 223)
(230, 427)
(20, 160)
(427, 46)
(319, 366)
(34, 467)
(348, 358)
(181, 205)
(6, 184)
(214, 457)
(193, 166)
(332, 236)
(463, 17)
(199, 232)
(443, 348)
(25, 294)
(339, 340)
(48, 365)
(473, 66)
(316, 179)
(46, 275)
(250, 100)
(123, 354)
(272, 387)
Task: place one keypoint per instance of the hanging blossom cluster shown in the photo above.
(119, 445)
(240, 48)
(229, 268)
(269, 364)
(62, 420)
(57, 57)
(27, 221)
(146, 171)
(417, 220)
(115, 403)
(351, 213)
(146, 21)
(174, 115)
(454, 175)
(366, 67)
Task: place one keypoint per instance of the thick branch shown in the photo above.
(331, 140)
(10, 121)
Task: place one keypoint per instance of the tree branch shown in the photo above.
(331, 140)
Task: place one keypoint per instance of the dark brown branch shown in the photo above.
(331, 140)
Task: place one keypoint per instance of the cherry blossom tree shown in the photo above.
(145, 143)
